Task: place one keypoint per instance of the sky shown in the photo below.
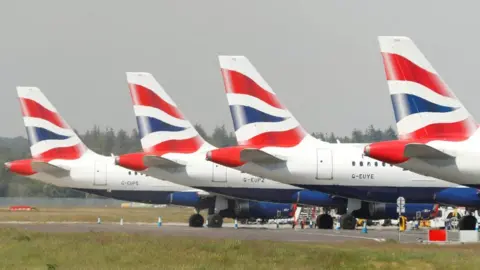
(320, 57)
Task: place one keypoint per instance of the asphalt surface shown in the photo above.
(244, 232)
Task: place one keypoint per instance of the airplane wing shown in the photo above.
(418, 150)
(161, 162)
(259, 156)
(41, 166)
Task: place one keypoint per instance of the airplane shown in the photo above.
(173, 150)
(273, 144)
(438, 137)
(60, 158)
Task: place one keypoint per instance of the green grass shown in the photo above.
(33, 250)
(107, 214)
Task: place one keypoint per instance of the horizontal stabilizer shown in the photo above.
(417, 150)
(41, 166)
(259, 156)
(161, 162)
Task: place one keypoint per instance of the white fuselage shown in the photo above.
(202, 174)
(463, 168)
(343, 170)
(96, 172)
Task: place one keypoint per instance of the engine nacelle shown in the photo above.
(190, 198)
(185, 198)
(389, 211)
(467, 197)
(314, 198)
(265, 210)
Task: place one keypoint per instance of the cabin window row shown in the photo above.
(368, 164)
(136, 173)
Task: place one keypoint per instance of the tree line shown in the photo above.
(108, 141)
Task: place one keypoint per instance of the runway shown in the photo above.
(244, 232)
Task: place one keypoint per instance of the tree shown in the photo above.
(389, 134)
(357, 136)
(221, 138)
(203, 133)
(121, 143)
(108, 141)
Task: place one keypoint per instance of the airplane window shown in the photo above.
(391, 165)
(368, 163)
(361, 163)
(135, 173)
(376, 164)
(383, 164)
(353, 163)
(129, 173)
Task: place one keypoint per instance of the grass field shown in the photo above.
(34, 250)
(107, 214)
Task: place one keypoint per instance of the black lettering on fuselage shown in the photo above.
(363, 176)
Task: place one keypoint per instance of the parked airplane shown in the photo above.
(60, 158)
(437, 135)
(273, 144)
(173, 150)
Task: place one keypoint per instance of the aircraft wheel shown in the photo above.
(196, 220)
(325, 221)
(348, 222)
(387, 222)
(215, 221)
(467, 223)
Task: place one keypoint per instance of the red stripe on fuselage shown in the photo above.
(177, 146)
(70, 152)
(457, 131)
(287, 138)
(238, 83)
(146, 97)
(400, 68)
(31, 108)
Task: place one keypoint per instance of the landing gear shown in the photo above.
(467, 223)
(387, 222)
(215, 221)
(196, 220)
(325, 221)
(348, 222)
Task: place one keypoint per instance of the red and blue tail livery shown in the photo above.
(49, 135)
(423, 104)
(161, 125)
(258, 116)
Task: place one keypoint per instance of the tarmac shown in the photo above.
(244, 232)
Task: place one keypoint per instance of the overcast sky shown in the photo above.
(320, 57)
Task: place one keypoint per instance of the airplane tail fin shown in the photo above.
(424, 106)
(258, 116)
(162, 126)
(49, 135)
